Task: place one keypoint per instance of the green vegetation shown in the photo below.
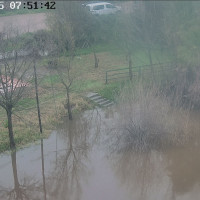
(111, 90)
(88, 46)
(22, 138)
(88, 80)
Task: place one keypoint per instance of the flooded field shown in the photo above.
(78, 162)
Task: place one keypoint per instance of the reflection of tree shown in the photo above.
(43, 174)
(141, 173)
(18, 192)
(184, 168)
(65, 182)
(154, 174)
(23, 191)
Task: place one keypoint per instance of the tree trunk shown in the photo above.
(151, 63)
(37, 98)
(150, 57)
(10, 128)
(130, 65)
(96, 60)
(69, 106)
(150, 60)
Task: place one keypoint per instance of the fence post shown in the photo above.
(139, 73)
(106, 77)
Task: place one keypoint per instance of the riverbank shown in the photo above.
(52, 96)
(52, 93)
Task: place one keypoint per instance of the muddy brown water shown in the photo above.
(77, 163)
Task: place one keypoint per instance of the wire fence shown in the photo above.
(25, 111)
(138, 71)
(52, 94)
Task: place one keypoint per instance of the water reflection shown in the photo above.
(65, 180)
(22, 190)
(143, 175)
(183, 167)
(169, 175)
(57, 177)
(43, 170)
(79, 162)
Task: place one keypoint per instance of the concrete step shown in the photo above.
(95, 98)
(108, 104)
(105, 102)
(101, 101)
(92, 94)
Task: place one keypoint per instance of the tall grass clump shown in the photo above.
(154, 116)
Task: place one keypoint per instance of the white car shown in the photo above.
(102, 8)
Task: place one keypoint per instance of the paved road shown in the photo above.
(24, 23)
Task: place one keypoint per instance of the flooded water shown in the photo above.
(78, 162)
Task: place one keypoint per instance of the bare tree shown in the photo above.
(39, 45)
(63, 26)
(87, 28)
(125, 38)
(141, 30)
(36, 94)
(66, 77)
(13, 71)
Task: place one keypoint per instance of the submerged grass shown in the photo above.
(22, 138)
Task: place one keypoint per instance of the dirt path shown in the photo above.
(24, 23)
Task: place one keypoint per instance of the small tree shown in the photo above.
(87, 28)
(37, 45)
(141, 30)
(64, 28)
(125, 38)
(65, 40)
(66, 78)
(13, 70)
(148, 22)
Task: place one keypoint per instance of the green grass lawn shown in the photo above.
(86, 77)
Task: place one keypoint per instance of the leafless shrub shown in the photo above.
(149, 121)
(194, 90)
(183, 88)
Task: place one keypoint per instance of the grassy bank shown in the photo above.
(52, 93)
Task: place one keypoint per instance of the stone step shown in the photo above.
(109, 104)
(95, 98)
(105, 102)
(92, 94)
(101, 101)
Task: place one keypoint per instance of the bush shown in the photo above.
(148, 120)
(183, 88)
(5, 124)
